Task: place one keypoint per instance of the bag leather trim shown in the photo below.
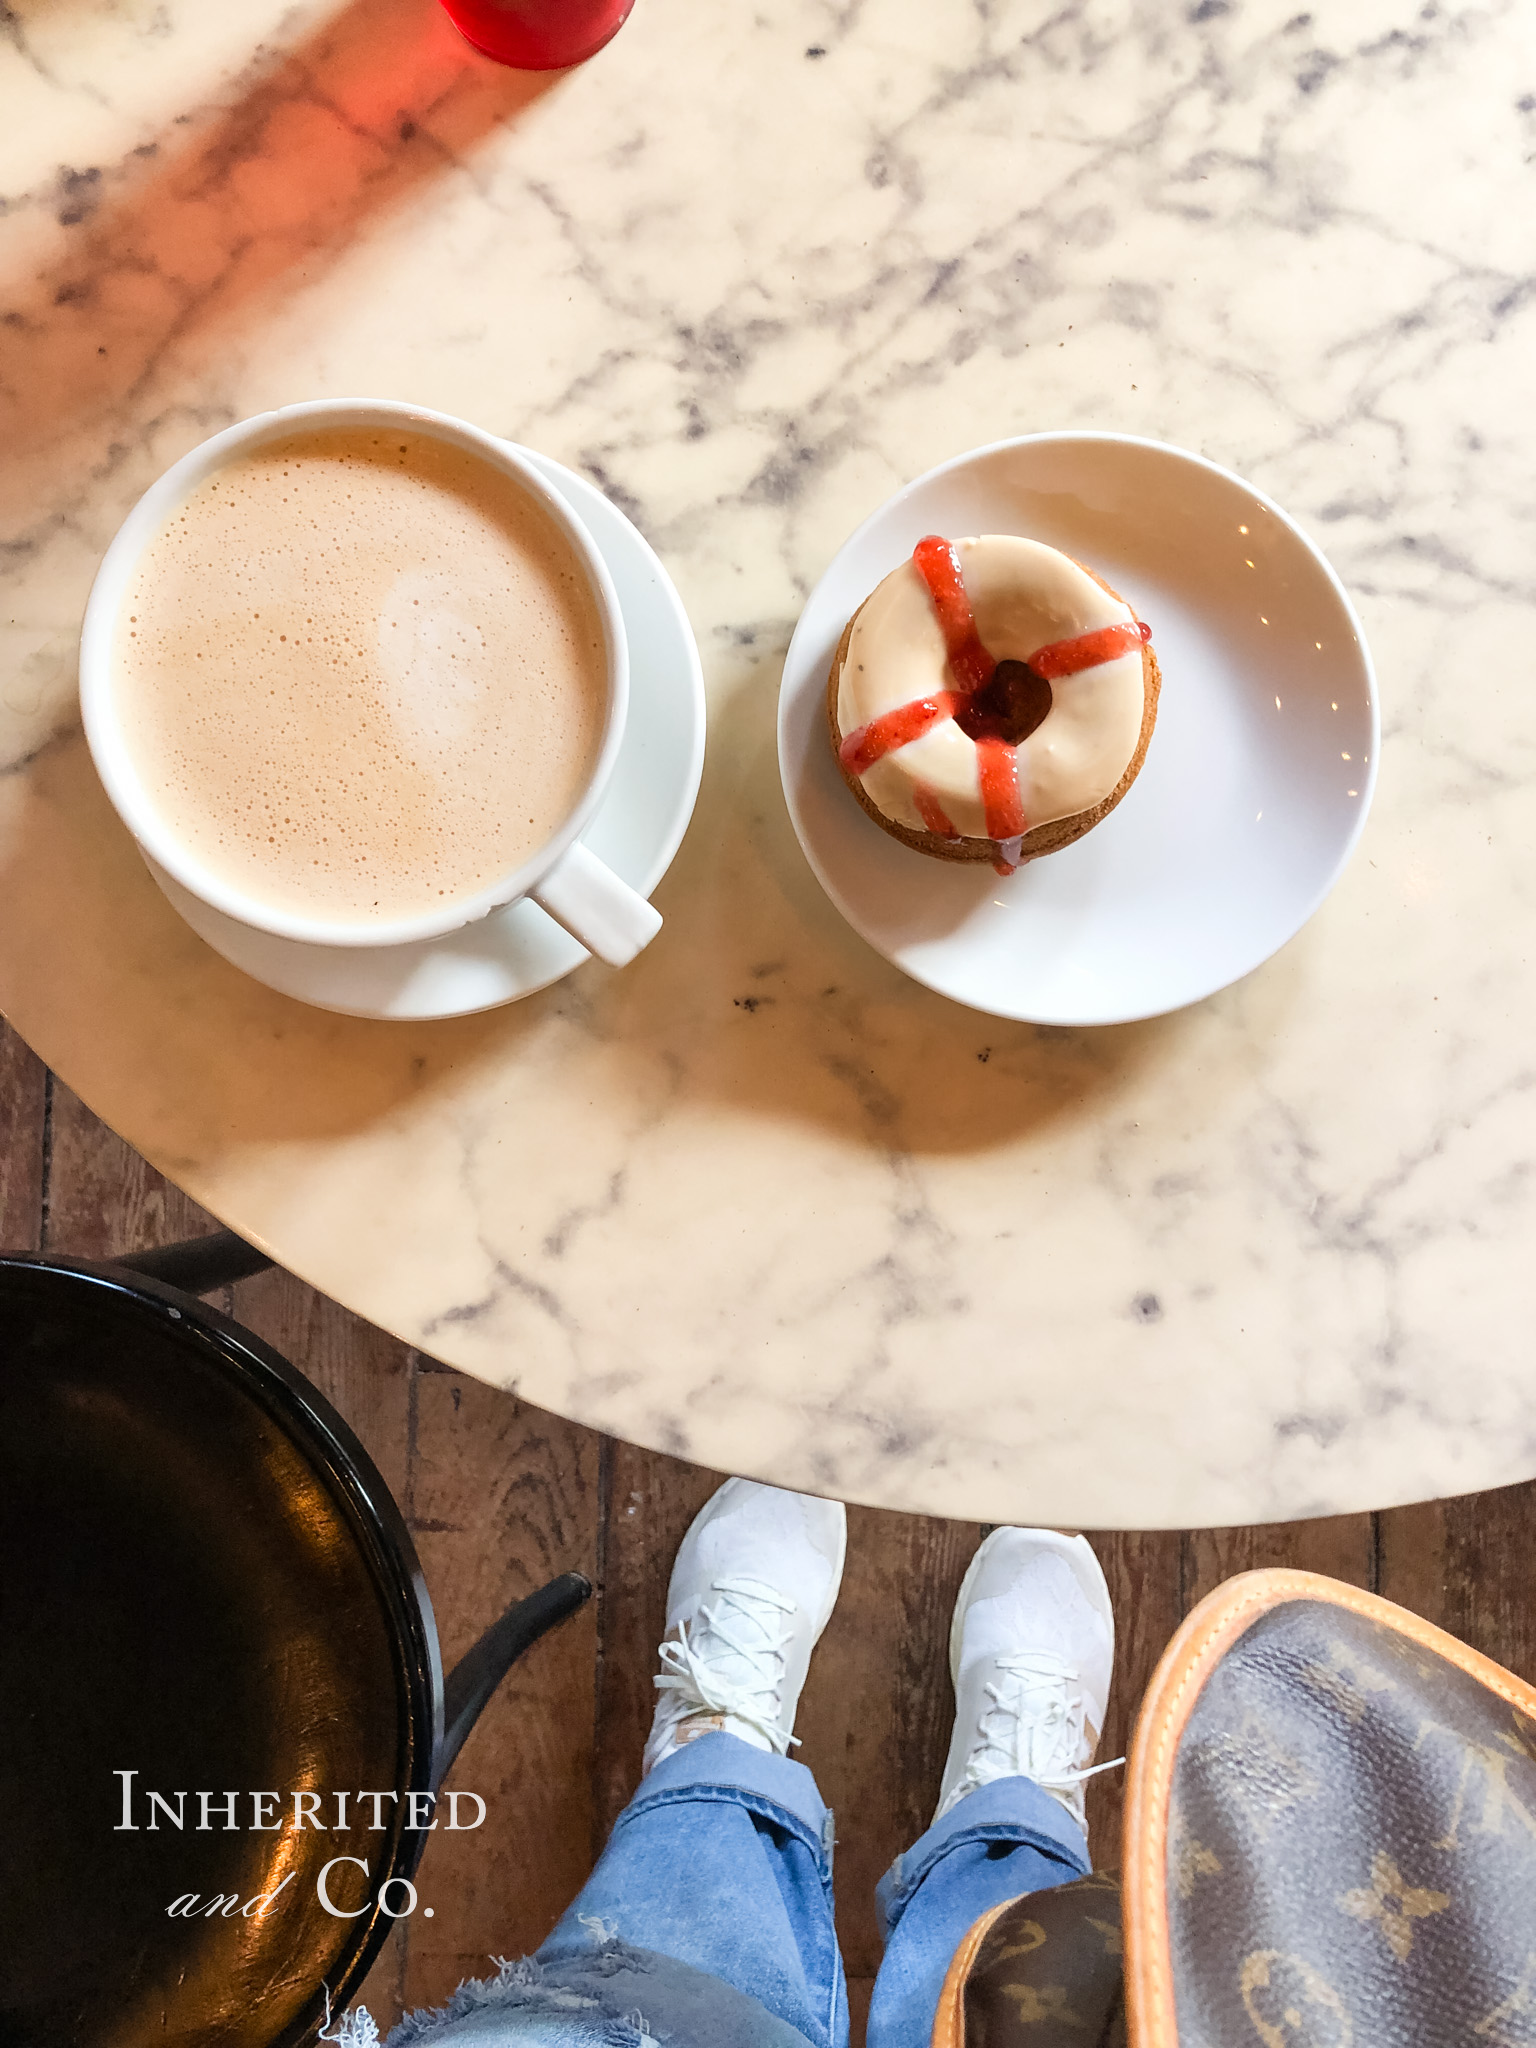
(1208, 1632)
(949, 2020)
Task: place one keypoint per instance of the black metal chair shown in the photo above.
(208, 1591)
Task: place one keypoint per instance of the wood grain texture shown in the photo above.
(1341, 1546)
(501, 1497)
(23, 1128)
(103, 1198)
(1469, 1566)
(1145, 1575)
(878, 1708)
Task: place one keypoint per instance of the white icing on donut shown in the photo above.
(1024, 596)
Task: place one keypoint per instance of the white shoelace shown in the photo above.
(746, 1629)
(1033, 1728)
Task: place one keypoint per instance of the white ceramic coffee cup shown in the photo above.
(608, 917)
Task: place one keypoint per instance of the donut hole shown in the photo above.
(1007, 707)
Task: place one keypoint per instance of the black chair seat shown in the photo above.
(208, 1586)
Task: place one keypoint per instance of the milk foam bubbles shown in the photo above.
(432, 659)
(361, 674)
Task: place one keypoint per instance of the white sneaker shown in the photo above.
(1030, 1652)
(752, 1588)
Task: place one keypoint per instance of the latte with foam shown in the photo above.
(361, 674)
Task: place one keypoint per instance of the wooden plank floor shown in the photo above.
(500, 1495)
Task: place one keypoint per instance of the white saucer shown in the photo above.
(638, 828)
(1255, 786)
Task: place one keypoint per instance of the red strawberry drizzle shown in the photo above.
(997, 766)
(1088, 650)
(892, 729)
(997, 771)
(935, 560)
(932, 812)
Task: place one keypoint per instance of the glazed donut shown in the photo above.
(992, 699)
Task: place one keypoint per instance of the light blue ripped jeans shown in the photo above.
(708, 1920)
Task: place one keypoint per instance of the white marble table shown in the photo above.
(758, 1200)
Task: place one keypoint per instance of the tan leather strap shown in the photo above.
(949, 2020)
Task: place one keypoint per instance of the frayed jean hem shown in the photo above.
(523, 1985)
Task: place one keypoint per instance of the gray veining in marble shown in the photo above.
(759, 1200)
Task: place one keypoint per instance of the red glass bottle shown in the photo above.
(538, 35)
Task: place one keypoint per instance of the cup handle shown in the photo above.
(606, 915)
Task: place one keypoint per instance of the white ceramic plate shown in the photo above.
(1255, 785)
(637, 830)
